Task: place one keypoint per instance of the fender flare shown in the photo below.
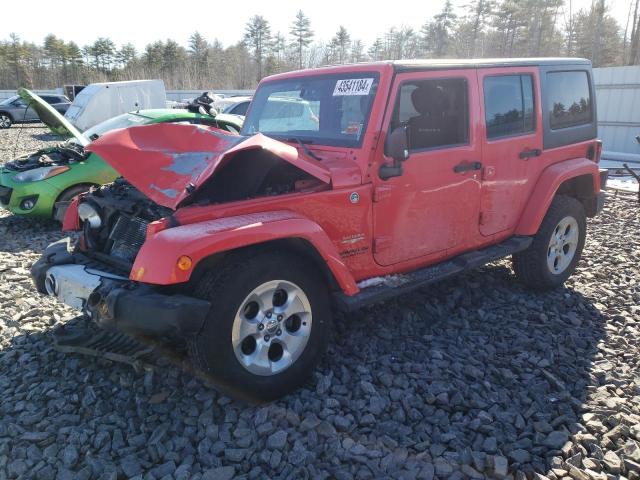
(546, 187)
(156, 262)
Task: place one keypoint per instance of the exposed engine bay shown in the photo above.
(114, 221)
(62, 154)
(251, 174)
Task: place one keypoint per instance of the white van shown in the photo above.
(100, 101)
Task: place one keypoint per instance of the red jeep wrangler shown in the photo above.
(348, 185)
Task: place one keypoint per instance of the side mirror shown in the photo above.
(398, 149)
(398, 146)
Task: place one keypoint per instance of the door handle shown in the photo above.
(536, 152)
(467, 166)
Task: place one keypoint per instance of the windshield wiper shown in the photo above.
(304, 147)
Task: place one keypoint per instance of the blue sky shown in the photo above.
(144, 21)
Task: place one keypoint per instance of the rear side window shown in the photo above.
(435, 111)
(508, 105)
(569, 99)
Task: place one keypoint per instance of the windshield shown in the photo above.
(7, 101)
(325, 109)
(121, 121)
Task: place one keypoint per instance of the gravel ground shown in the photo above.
(473, 377)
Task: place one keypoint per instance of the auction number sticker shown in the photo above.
(353, 86)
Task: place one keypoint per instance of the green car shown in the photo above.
(43, 183)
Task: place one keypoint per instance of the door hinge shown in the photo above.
(380, 193)
(381, 243)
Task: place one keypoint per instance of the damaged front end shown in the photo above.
(112, 300)
(165, 167)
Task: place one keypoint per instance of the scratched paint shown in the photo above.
(189, 163)
(168, 192)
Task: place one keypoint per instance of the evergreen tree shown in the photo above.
(340, 45)
(258, 38)
(125, 55)
(604, 47)
(199, 51)
(302, 35)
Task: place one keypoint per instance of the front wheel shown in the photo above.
(5, 121)
(268, 325)
(556, 248)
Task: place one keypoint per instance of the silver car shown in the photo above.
(16, 110)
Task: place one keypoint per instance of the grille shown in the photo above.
(5, 194)
(128, 235)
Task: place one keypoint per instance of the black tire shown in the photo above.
(5, 120)
(531, 266)
(227, 287)
(67, 196)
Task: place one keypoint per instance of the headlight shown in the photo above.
(41, 173)
(88, 213)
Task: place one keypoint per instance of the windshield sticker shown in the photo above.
(353, 86)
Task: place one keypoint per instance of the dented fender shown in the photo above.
(546, 187)
(157, 260)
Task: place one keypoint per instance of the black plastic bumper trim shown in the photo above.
(142, 310)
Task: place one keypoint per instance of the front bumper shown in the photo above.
(115, 301)
(13, 193)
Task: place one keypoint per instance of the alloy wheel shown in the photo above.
(563, 245)
(272, 327)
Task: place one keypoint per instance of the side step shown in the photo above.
(420, 278)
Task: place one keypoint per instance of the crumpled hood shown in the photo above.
(168, 161)
(51, 117)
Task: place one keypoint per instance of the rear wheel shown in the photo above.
(268, 325)
(556, 248)
(5, 120)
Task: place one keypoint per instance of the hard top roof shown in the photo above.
(435, 64)
(444, 63)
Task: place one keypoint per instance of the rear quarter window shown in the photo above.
(569, 99)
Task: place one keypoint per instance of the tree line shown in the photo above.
(485, 28)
